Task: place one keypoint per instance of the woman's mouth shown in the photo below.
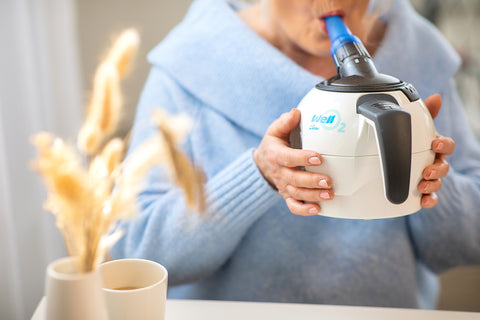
(331, 13)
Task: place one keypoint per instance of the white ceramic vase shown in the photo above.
(72, 295)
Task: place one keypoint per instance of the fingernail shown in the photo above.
(325, 195)
(323, 183)
(314, 160)
(432, 174)
(313, 210)
(426, 187)
(289, 115)
(429, 201)
(440, 145)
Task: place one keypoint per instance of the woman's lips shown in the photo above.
(332, 13)
(323, 26)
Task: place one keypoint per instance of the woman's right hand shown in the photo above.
(279, 165)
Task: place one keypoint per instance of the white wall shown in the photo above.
(100, 20)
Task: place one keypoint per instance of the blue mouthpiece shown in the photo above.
(348, 53)
(339, 34)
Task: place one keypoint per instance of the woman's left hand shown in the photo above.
(432, 174)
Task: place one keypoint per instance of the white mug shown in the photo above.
(134, 289)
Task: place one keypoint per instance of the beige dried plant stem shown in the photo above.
(87, 201)
(104, 110)
(184, 174)
(123, 51)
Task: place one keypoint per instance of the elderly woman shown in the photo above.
(238, 71)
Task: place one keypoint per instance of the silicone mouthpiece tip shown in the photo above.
(338, 33)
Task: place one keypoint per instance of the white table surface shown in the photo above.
(229, 310)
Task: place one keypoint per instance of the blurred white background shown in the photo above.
(49, 53)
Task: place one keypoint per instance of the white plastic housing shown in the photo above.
(331, 126)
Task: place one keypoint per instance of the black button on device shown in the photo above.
(410, 92)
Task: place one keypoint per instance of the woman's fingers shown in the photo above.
(305, 194)
(291, 158)
(280, 164)
(429, 200)
(433, 104)
(443, 145)
(301, 208)
(437, 170)
(304, 179)
(429, 186)
(283, 125)
(432, 174)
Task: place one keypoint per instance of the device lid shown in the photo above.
(378, 83)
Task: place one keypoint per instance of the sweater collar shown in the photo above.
(215, 57)
(414, 51)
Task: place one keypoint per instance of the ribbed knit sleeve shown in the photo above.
(239, 195)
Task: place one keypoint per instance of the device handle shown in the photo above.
(393, 131)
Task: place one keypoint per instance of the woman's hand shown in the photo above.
(432, 174)
(279, 165)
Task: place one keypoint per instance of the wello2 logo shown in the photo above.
(329, 120)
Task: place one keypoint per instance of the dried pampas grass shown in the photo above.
(104, 109)
(189, 178)
(88, 200)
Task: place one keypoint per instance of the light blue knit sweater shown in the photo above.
(234, 84)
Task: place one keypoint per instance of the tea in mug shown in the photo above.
(127, 288)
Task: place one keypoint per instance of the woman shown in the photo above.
(235, 70)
